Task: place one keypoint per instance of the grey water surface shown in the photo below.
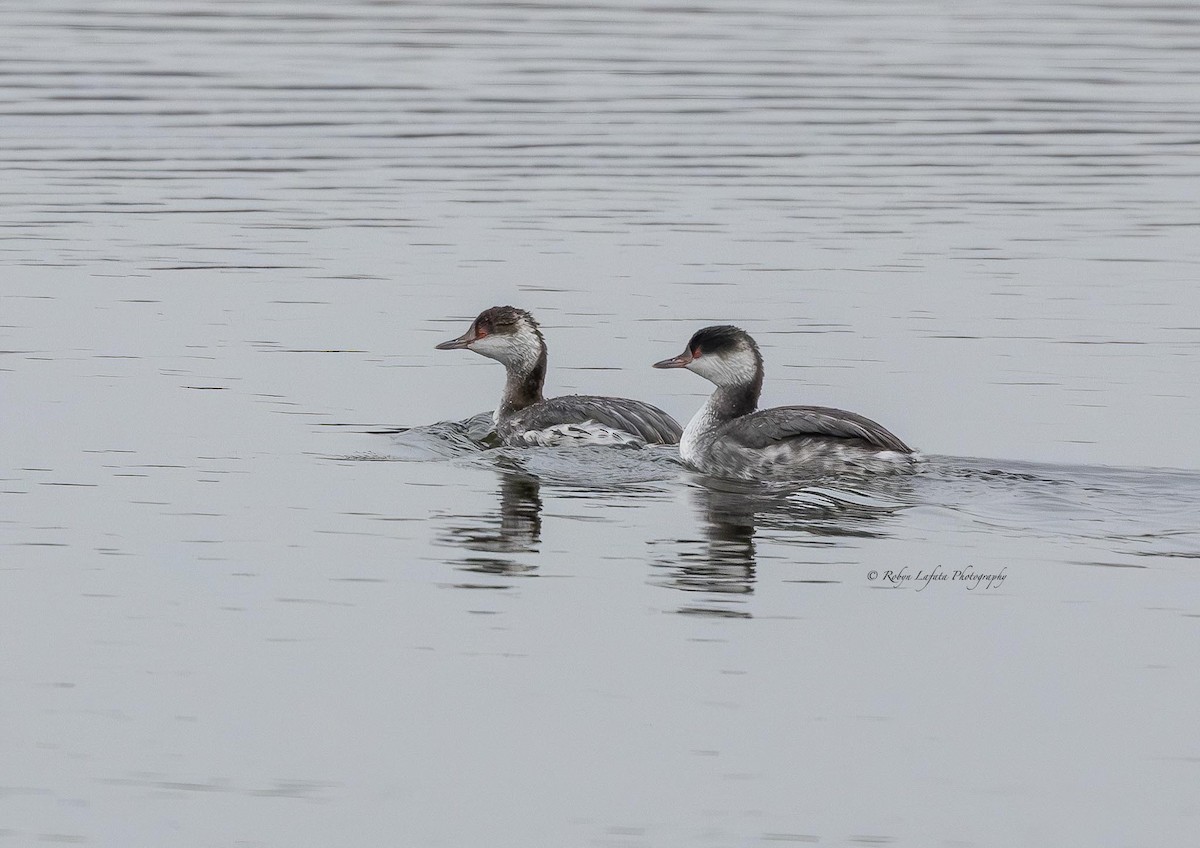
(261, 585)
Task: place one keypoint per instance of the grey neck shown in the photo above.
(729, 402)
(522, 389)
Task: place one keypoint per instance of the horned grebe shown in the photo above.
(727, 438)
(524, 417)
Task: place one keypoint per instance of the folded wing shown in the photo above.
(647, 422)
(771, 426)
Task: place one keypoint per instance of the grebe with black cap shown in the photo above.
(525, 417)
(731, 437)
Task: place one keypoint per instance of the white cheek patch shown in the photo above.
(493, 347)
(724, 369)
(587, 433)
(519, 350)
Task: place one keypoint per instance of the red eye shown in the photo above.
(696, 353)
(480, 332)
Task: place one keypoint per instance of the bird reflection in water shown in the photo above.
(722, 565)
(515, 528)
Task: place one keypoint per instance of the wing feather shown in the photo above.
(643, 420)
(769, 426)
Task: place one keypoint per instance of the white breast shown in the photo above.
(701, 425)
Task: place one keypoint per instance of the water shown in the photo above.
(238, 608)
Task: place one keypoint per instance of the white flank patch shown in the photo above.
(587, 433)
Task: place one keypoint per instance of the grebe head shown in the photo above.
(506, 334)
(723, 355)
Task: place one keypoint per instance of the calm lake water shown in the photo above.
(238, 608)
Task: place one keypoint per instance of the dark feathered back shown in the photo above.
(635, 417)
(771, 426)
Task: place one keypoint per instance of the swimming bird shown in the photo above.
(729, 438)
(524, 417)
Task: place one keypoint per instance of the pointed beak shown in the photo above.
(463, 341)
(682, 361)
